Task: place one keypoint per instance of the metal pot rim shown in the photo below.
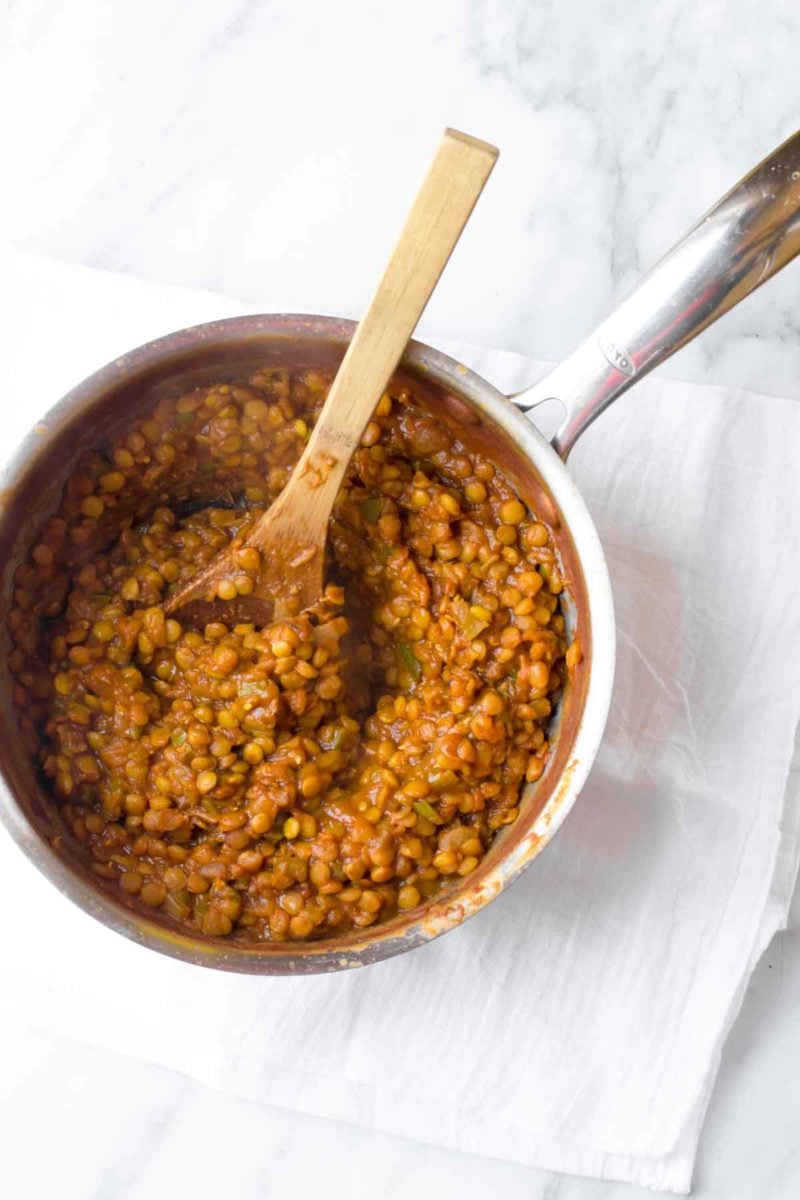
(441, 915)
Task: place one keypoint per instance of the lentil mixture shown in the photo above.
(319, 775)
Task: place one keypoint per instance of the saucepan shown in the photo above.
(748, 236)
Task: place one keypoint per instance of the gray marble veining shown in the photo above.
(269, 151)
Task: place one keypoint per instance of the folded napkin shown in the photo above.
(577, 1022)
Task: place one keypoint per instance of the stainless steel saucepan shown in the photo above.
(748, 236)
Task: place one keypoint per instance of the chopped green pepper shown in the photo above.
(409, 659)
(178, 904)
(425, 810)
(372, 508)
(200, 909)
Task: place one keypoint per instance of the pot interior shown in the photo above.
(109, 402)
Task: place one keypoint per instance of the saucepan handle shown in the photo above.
(745, 238)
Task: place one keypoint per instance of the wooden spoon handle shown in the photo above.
(441, 210)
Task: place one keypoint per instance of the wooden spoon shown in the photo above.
(291, 534)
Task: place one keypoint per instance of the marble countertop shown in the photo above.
(268, 151)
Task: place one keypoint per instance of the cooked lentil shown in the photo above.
(297, 781)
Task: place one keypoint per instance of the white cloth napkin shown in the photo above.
(576, 1023)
